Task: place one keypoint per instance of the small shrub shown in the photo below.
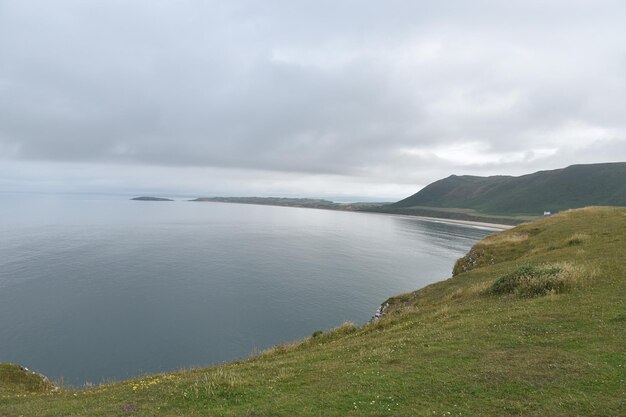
(317, 333)
(530, 281)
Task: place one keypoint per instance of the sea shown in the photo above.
(101, 288)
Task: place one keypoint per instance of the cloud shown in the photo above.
(399, 94)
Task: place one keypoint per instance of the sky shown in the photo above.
(342, 99)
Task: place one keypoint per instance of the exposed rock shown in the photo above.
(380, 312)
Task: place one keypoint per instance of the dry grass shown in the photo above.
(468, 291)
(442, 311)
(574, 274)
(283, 348)
(320, 337)
(477, 288)
(214, 383)
(577, 239)
(504, 238)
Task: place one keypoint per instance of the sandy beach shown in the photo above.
(495, 226)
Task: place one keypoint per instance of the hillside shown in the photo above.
(572, 187)
(531, 324)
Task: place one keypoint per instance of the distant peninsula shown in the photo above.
(272, 201)
(151, 199)
(290, 202)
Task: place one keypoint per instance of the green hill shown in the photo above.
(572, 187)
(531, 324)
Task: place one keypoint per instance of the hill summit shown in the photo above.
(533, 194)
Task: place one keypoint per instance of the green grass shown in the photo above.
(17, 380)
(454, 348)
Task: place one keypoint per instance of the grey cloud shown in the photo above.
(357, 89)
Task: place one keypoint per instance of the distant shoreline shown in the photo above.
(148, 198)
(358, 207)
(453, 221)
(497, 226)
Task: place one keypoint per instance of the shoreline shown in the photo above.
(379, 313)
(496, 226)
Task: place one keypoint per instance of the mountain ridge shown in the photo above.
(531, 194)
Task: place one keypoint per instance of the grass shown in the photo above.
(454, 348)
(17, 380)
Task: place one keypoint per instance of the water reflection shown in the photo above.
(102, 289)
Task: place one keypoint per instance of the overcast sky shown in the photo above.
(339, 99)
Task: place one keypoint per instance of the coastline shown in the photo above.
(495, 226)
(452, 319)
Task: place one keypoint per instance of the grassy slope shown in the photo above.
(560, 189)
(16, 380)
(446, 350)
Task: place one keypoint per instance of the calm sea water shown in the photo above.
(100, 288)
